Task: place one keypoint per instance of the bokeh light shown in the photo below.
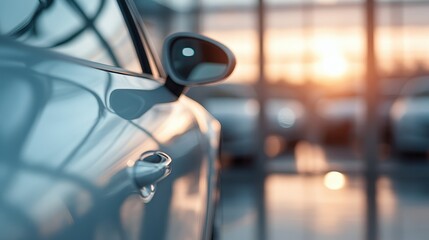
(334, 180)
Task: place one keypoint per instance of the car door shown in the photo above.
(68, 160)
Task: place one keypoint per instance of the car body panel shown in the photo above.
(66, 156)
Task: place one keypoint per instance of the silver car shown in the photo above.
(410, 118)
(96, 141)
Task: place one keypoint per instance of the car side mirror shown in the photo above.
(191, 59)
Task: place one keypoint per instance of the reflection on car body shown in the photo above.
(68, 159)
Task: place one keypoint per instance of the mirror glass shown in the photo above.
(196, 60)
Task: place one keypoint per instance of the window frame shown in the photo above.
(149, 61)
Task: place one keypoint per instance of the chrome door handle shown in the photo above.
(151, 168)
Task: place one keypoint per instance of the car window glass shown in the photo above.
(91, 30)
(21, 9)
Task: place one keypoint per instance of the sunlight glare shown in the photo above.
(332, 65)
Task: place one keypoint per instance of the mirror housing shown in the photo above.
(191, 59)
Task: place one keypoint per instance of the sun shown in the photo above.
(331, 64)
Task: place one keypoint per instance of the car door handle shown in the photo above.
(152, 167)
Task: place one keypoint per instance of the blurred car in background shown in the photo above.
(342, 117)
(410, 118)
(338, 119)
(286, 120)
(237, 108)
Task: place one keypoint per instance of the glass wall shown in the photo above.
(315, 75)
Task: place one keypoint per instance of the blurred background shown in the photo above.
(307, 153)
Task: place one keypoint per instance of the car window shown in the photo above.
(91, 30)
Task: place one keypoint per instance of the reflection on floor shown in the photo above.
(303, 208)
(321, 206)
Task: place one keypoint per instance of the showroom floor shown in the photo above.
(302, 206)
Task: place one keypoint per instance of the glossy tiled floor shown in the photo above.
(305, 207)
